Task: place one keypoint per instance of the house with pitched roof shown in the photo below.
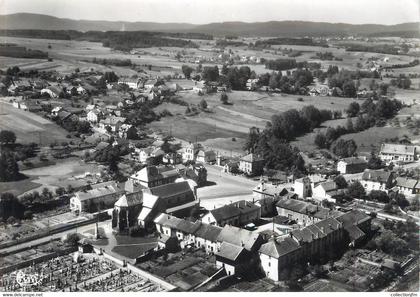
(237, 252)
(191, 151)
(397, 153)
(304, 213)
(206, 237)
(206, 157)
(407, 186)
(113, 122)
(182, 230)
(152, 176)
(94, 115)
(264, 190)
(177, 199)
(327, 190)
(357, 225)
(237, 213)
(377, 180)
(351, 165)
(276, 254)
(100, 197)
(251, 164)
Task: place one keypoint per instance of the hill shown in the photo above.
(21, 21)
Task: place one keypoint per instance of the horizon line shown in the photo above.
(220, 22)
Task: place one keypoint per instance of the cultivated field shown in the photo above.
(29, 127)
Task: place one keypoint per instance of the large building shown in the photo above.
(237, 213)
(312, 242)
(126, 211)
(153, 176)
(100, 197)
(407, 186)
(175, 198)
(397, 153)
(251, 164)
(351, 165)
(191, 151)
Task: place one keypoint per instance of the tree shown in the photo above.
(10, 206)
(349, 125)
(132, 133)
(187, 70)
(379, 196)
(374, 162)
(399, 199)
(203, 104)
(356, 190)
(349, 89)
(72, 239)
(7, 137)
(321, 140)
(353, 109)
(389, 243)
(46, 194)
(60, 191)
(345, 148)
(273, 83)
(210, 73)
(341, 182)
(252, 140)
(110, 76)
(9, 169)
(224, 98)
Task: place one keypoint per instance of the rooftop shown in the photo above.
(400, 149)
(376, 175)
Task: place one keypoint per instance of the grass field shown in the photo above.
(18, 187)
(30, 127)
(221, 123)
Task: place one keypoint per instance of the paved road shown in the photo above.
(226, 188)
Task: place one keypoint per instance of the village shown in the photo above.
(237, 168)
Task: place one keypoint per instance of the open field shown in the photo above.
(64, 174)
(18, 187)
(221, 123)
(30, 127)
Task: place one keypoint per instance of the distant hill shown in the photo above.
(300, 28)
(20, 21)
(275, 28)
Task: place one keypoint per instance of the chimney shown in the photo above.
(242, 243)
(322, 229)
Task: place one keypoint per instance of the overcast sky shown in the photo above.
(206, 11)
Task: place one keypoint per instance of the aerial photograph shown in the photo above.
(209, 146)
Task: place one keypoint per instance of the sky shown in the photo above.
(208, 11)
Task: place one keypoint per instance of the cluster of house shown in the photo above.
(193, 153)
(78, 86)
(381, 179)
(238, 250)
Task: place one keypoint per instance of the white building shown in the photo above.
(377, 180)
(302, 187)
(397, 153)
